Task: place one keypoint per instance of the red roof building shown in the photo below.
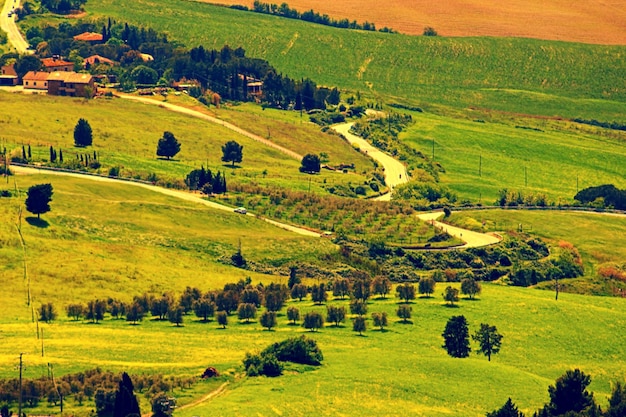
(57, 64)
(8, 76)
(36, 80)
(70, 84)
(90, 37)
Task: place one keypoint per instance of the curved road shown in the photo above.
(8, 25)
(183, 195)
(395, 172)
(472, 239)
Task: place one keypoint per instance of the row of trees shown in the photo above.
(456, 338)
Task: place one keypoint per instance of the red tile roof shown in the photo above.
(35, 76)
(55, 62)
(89, 37)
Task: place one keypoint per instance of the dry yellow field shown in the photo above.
(588, 21)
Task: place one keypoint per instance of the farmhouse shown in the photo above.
(36, 80)
(8, 76)
(56, 64)
(71, 84)
(90, 37)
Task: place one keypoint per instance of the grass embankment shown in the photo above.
(516, 75)
(600, 238)
(554, 158)
(125, 135)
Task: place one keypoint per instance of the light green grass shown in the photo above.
(126, 134)
(553, 161)
(499, 73)
(123, 240)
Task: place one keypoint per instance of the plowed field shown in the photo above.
(588, 21)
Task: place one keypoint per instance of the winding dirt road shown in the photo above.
(472, 239)
(395, 172)
(8, 25)
(183, 195)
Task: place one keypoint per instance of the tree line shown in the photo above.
(309, 16)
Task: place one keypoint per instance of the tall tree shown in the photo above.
(470, 287)
(570, 395)
(489, 340)
(38, 199)
(125, 401)
(83, 135)
(341, 287)
(268, 319)
(168, 145)
(456, 337)
(232, 152)
(293, 277)
(508, 410)
(204, 308)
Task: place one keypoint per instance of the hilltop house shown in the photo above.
(61, 83)
(8, 76)
(56, 64)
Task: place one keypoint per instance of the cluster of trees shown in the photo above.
(62, 6)
(512, 198)
(204, 180)
(569, 397)
(457, 338)
(310, 16)
(606, 125)
(603, 196)
(102, 387)
(568, 264)
(300, 350)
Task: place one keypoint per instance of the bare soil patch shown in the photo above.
(588, 21)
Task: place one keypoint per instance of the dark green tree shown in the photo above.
(175, 314)
(38, 199)
(83, 135)
(293, 277)
(168, 145)
(27, 63)
(311, 164)
(318, 293)
(204, 308)
(144, 75)
(47, 313)
(232, 152)
(508, 410)
(313, 321)
(268, 319)
(252, 296)
(489, 340)
(426, 286)
(358, 307)
(470, 287)
(125, 401)
(456, 337)
(341, 287)
(380, 320)
(188, 298)
(246, 311)
(381, 286)
(617, 402)
(570, 395)
(404, 312)
(335, 314)
(293, 314)
(135, 313)
(222, 319)
(406, 292)
(299, 291)
(451, 295)
(358, 325)
(361, 288)
(75, 311)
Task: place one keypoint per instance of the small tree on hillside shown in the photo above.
(83, 135)
(222, 319)
(358, 325)
(38, 199)
(426, 286)
(380, 320)
(293, 314)
(470, 287)
(569, 396)
(451, 295)
(135, 313)
(335, 314)
(232, 152)
(456, 337)
(341, 287)
(489, 340)
(509, 409)
(358, 307)
(175, 315)
(268, 320)
(313, 321)
(168, 145)
(406, 292)
(246, 311)
(381, 286)
(404, 312)
(318, 294)
(47, 313)
(299, 291)
(311, 164)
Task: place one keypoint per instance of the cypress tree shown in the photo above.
(30, 155)
(125, 401)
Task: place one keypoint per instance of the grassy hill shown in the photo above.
(130, 142)
(515, 75)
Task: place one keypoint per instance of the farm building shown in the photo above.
(56, 64)
(8, 76)
(71, 84)
(36, 80)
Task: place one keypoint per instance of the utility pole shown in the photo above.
(480, 165)
(42, 342)
(20, 406)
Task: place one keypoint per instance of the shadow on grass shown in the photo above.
(470, 299)
(293, 324)
(422, 297)
(233, 167)
(36, 222)
(361, 335)
(400, 303)
(163, 158)
(404, 321)
(451, 305)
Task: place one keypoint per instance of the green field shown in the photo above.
(125, 136)
(557, 159)
(513, 75)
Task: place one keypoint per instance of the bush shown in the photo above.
(296, 349)
(264, 364)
